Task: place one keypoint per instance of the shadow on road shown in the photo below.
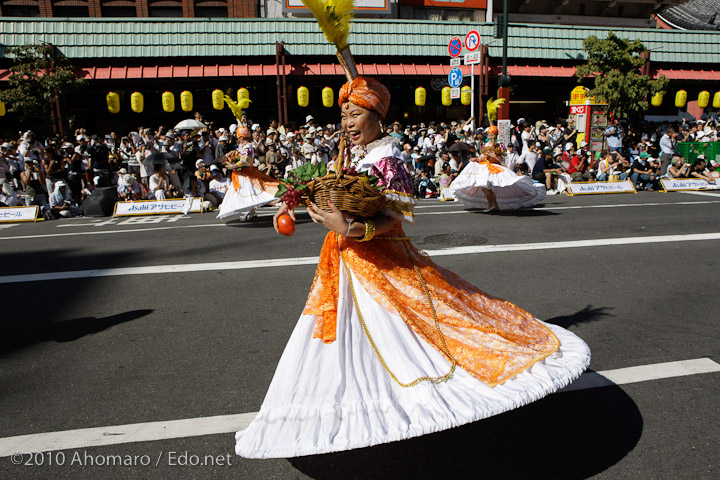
(266, 222)
(587, 314)
(39, 310)
(570, 435)
(515, 213)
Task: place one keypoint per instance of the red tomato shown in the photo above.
(286, 226)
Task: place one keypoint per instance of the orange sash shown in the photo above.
(255, 176)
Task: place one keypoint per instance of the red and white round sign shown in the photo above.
(472, 40)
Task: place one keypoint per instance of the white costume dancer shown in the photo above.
(250, 187)
(487, 176)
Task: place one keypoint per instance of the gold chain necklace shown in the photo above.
(426, 378)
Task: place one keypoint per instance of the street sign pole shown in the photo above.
(472, 96)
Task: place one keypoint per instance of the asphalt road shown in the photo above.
(162, 343)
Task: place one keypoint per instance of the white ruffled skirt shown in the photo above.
(328, 397)
(511, 190)
(247, 197)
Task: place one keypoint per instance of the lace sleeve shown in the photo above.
(396, 183)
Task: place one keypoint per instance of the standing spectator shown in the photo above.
(529, 157)
(33, 180)
(190, 152)
(668, 142)
(30, 148)
(511, 158)
(222, 148)
(527, 137)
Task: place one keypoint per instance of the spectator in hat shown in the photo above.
(128, 188)
(61, 203)
(309, 120)
(219, 184)
(397, 133)
(678, 168)
(203, 172)
(642, 176)
(546, 171)
(222, 148)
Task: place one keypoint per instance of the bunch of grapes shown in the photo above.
(291, 198)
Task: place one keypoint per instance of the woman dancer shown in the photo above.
(250, 187)
(389, 345)
(487, 183)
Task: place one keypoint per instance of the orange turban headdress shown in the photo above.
(243, 132)
(367, 93)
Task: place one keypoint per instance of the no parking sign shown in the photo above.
(455, 47)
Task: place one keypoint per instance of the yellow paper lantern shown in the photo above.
(168, 102)
(244, 103)
(113, 102)
(420, 96)
(680, 98)
(657, 99)
(327, 97)
(2, 109)
(218, 101)
(445, 95)
(186, 101)
(137, 102)
(716, 100)
(243, 93)
(303, 96)
(465, 95)
(704, 99)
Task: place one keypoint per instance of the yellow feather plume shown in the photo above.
(234, 107)
(334, 18)
(492, 108)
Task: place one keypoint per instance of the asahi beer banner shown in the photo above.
(362, 6)
(18, 214)
(677, 184)
(158, 207)
(589, 188)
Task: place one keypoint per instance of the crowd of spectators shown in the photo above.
(57, 174)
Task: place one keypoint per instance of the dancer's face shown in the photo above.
(361, 125)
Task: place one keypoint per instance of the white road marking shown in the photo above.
(3, 227)
(219, 224)
(705, 194)
(294, 261)
(227, 424)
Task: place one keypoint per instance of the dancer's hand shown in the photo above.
(333, 220)
(282, 210)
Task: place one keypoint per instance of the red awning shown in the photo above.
(688, 74)
(324, 69)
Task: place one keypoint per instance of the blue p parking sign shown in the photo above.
(455, 77)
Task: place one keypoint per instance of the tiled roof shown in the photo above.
(693, 15)
(168, 38)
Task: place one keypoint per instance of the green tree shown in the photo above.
(615, 65)
(39, 73)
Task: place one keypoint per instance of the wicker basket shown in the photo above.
(350, 193)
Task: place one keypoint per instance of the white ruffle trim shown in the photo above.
(333, 397)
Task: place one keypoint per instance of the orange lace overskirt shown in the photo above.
(490, 338)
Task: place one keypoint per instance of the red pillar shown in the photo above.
(45, 8)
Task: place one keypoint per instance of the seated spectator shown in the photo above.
(580, 167)
(425, 187)
(196, 188)
(61, 204)
(128, 188)
(547, 171)
(203, 172)
(610, 165)
(218, 185)
(8, 196)
(678, 168)
(159, 184)
(699, 170)
(642, 171)
(143, 191)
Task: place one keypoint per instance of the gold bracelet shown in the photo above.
(369, 231)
